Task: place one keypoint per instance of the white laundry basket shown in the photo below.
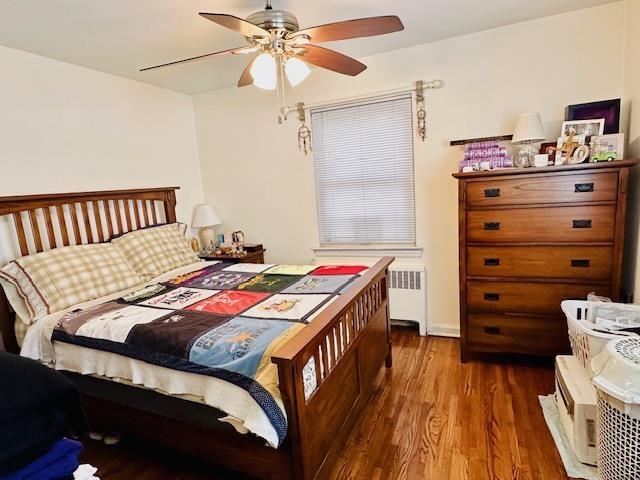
(585, 342)
(617, 381)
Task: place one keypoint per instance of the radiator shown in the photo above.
(408, 295)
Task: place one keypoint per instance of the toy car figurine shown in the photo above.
(603, 157)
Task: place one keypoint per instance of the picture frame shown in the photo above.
(583, 128)
(544, 150)
(607, 147)
(607, 109)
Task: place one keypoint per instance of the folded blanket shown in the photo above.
(60, 461)
(37, 407)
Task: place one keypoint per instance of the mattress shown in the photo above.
(243, 412)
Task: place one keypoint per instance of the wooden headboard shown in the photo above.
(43, 222)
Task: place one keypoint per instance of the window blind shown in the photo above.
(364, 172)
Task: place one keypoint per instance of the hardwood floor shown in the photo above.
(430, 418)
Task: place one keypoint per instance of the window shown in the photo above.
(364, 172)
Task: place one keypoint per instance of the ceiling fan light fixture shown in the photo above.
(296, 71)
(263, 71)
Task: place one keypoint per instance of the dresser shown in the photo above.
(530, 238)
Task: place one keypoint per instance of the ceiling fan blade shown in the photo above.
(362, 27)
(246, 78)
(236, 24)
(331, 60)
(199, 57)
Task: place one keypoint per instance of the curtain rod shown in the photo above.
(432, 84)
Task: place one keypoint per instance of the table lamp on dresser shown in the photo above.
(205, 218)
(529, 130)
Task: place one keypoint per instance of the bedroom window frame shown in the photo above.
(407, 248)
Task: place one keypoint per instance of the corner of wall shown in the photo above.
(196, 141)
(631, 128)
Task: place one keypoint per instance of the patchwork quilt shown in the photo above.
(223, 321)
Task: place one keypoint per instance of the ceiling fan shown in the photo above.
(281, 49)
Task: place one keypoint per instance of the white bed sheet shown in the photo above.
(242, 410)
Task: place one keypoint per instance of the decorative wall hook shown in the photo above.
(420, 111)
(304, 132)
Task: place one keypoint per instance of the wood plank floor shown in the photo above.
(431, 417)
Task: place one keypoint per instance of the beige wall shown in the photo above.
(490, 78)
(67, 128)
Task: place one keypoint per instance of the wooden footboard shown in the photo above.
(346, 344)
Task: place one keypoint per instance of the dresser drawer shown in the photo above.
(530, 189)
(588, 263)
(553, 224)
(518, 334)
(525, 297)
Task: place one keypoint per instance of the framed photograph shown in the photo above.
(544, 149)
(605, 148)
(607, 109)
(583, 128)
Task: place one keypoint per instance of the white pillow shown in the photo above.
(51, 281)
(156, 250)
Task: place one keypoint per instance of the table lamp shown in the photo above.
(529, 129)
(205, 218)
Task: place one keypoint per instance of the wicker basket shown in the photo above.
(617, 381)
(585, 342)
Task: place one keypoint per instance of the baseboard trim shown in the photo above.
(443, 331)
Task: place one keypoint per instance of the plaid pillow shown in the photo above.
(154, 251)
(56, 279)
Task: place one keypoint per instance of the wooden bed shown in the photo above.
(318, 426)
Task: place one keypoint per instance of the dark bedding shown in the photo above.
(38, 406)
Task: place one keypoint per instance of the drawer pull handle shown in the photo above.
(491, 192)
(492, 226)
(582, 224)
(580, 263)
(492, 330)
(583, 187)
(492, 297)
(491, 262)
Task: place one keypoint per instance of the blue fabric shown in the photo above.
(59, 462)
(238, 345)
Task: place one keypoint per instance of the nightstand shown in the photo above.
(248, 257)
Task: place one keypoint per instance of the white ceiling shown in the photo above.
(122, 36)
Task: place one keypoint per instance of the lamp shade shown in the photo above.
(205, 216)
(264, 72)
(296, 71)
(529, 129)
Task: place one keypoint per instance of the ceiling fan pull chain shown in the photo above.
(420, 111)
(280, 88)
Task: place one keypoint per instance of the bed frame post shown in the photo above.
(388, 361)
(170, 206)
(291, 399)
